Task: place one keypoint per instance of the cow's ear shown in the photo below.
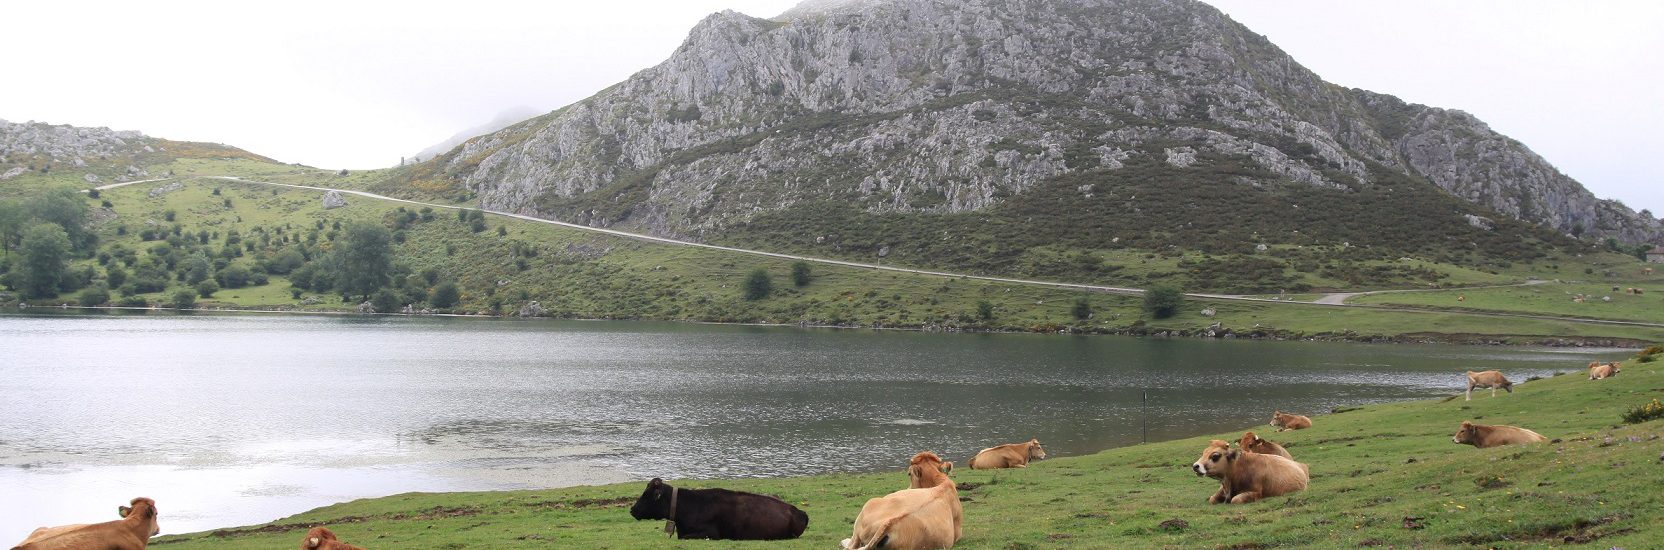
(123, 511)
(655, 483)
(1466, 424)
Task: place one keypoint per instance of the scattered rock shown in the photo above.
(884, 251)
(90, 178)
(165, 189)
(333, 200)
(309, 301)
(1480, 222)
(1209, 312)
(366, 307)
(14, 172)
(532, 309)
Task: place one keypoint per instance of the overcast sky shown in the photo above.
(360, 84)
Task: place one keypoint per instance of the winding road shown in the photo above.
(1330, 300)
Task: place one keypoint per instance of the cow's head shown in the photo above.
(143, 511)
(1035, 451)
(1214, 459)
(926, 469)
(1249, 441)
(654, 502)
(1278, 418)
(1468, 434)
(317, 537)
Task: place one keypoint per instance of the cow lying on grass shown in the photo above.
(1491, 379)
(1285, 421)
(321, 538)
(1245, 477)
(1010, 455)
(1253, 444)
(132, 532)
(926, 515)
(719, 514)
(1485, 437)
(1599, 371)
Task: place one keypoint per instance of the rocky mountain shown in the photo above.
(504, 119)
(890, 109)
(95, 155)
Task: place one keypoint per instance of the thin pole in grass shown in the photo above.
(1145, 412)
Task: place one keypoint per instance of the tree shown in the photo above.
(235, 276)
(13, 220)
(363, 260)
(207, 288)
(385, 301)
(198, 269)
(984, 310)
(1083, 308)
(184, 299)
(115, 275)
(67, 209)
(1163, 301)
(502, 231)
(45, 252)
(758, 285)
(445, 295)
(95, 295)
(800, 273)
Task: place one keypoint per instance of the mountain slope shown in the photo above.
(34, 154)
(914, 113)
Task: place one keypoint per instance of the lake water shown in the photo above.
(238, 419)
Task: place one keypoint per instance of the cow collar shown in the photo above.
(670, 524)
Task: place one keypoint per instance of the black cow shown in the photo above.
(719, 513)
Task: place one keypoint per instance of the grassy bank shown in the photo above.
(578, 274)
(1385, 475)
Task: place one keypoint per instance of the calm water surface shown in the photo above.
(230, 420)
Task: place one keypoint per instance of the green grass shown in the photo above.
(582, 274)
(1383, 475)
(1553, 298)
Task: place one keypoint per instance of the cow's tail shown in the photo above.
(881, 535)
(972, 461)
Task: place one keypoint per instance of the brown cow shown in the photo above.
(1492, 379)
(1253, 444)
(925, 516)
(1485, 437)
(1010, 455)
(132, 532)
(1598, 371)
(321, 538)
(1285, 421)
(1245, 477)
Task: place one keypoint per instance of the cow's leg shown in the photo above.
(1222, 495)
(1023, 465)
(1493, 391)
(1245, 497)
(1470, 392)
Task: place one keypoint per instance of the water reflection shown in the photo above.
(241, 419)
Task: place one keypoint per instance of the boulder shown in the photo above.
(333, 200)
(165, 189)
(366, 307)
(531, 309)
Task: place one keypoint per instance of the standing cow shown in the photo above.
(1491, 379)
(719, 514)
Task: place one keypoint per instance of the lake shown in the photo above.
(239, 419)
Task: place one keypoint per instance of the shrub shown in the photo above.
(169, 215)
(1163, 301)
(984, 310)
(235, 276)
(207, 288)
(1643, 413)
(93, 193)
(295, 293)
(385, 301)
(800, 273)
(758, 285)
(1083, 308)
(133, 301)
(184, 299)
(445, 295)
(94, 296)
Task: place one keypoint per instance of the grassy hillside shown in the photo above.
(574, 273)
(1555, 297)
(1383, 475)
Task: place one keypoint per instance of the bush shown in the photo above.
(1083, 308)
(800, 274)
(385, 301)
(184, 299)
(984, 310)
(758, 285)
(207, 288)
(92, 193)
(133, 301)
(94, 296)
(169, 215)
(234, 276)
(1643, 413)
(445, 295)
(295, 293)
(1163, 301)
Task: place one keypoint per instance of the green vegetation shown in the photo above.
(1599, 300)
(758, 284)
(1163, 301)
(800, 273)
(1382, 476)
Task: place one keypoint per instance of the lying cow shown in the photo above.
(1492, 379)
(132, 532)
(1285, 421)
(1245, 477)
(1253, 444)
(321, 538)
(1010, 455)
(719, 514)
(1599, 371)
(926, 515)
(1485, 437)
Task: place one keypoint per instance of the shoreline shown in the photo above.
(1279, 335)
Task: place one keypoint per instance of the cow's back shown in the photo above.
(1003, 456)
(1497, 436)
(100, 536)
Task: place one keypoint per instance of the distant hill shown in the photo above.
(989, 134)
(502, 120)
(36, 152)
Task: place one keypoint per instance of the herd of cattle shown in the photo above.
(925, 515)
